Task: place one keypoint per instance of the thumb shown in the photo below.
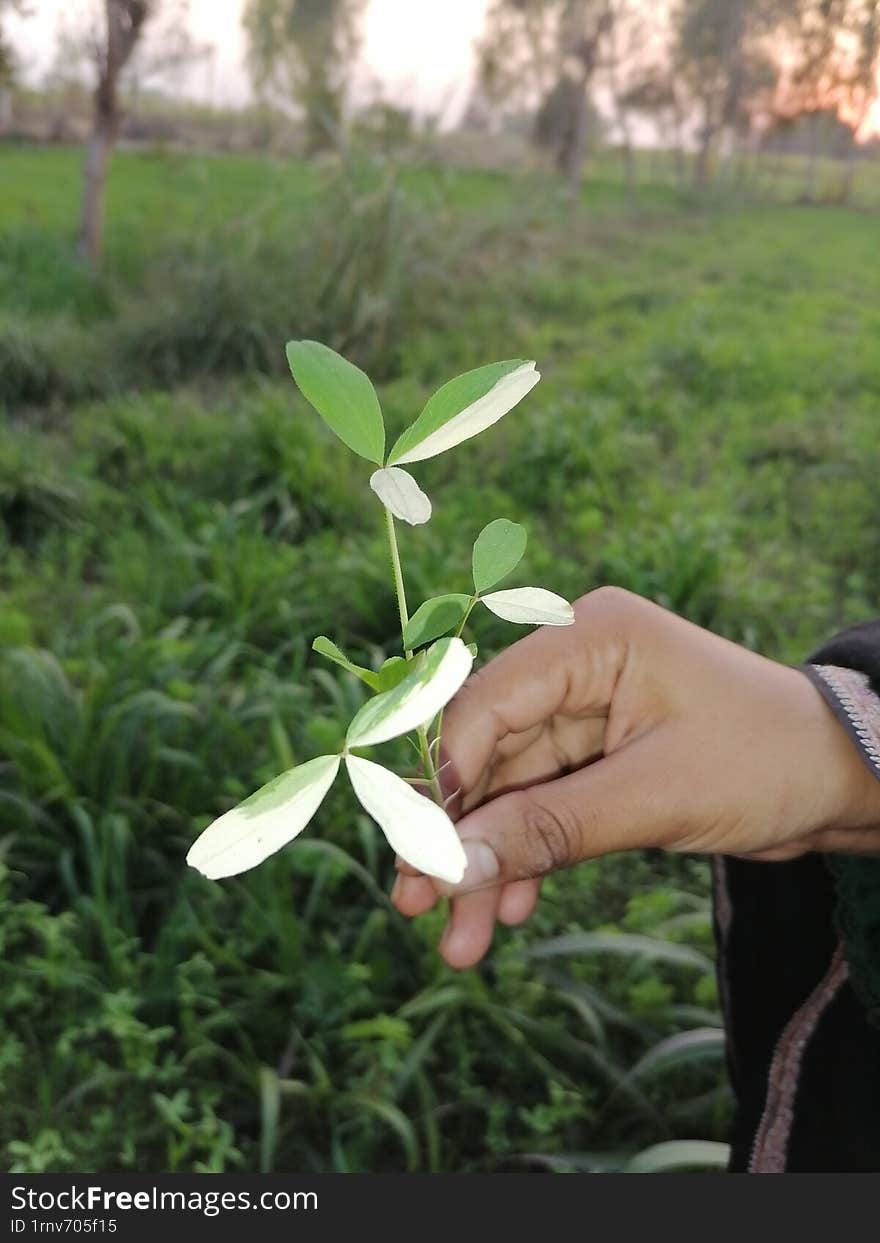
(617, 803)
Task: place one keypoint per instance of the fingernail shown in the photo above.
(482, 865)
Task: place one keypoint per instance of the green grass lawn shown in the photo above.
(177, 526)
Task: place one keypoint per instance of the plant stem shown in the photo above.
(424, 746)
(398, 579)
(428, 763)
(458, 634)
(463, 623)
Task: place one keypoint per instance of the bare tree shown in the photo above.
(631, 38)
(125, 44)
(8, 64)
(546, 54)
(832, 61)
(124, 22)
(863, 81)
(655, 94)
(584, 26)
(300, 53)
(723, 52)
(518, 53)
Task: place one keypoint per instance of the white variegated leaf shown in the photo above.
(417, 829)
(417, 699)
(265, 822)
(530, 606)
(475, 418)
(399, 492)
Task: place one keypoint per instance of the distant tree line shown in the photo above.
(713, 80)
(711, 76)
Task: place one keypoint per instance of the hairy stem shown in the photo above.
(463, 622)
(398, 579)
(400, 589)
(435, 743)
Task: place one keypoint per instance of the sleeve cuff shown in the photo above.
(850, 697)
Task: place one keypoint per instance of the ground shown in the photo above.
(177, 526)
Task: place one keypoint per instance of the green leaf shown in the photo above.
(498, 549)
(464, 407)
(417, 829)
(399, 492)
(434, 618)
(416, 700)
(530, 606)
(628, 943)
(358, 1104)
(392, 673)
(263, 823)
(380, 1027)
(342, 394)
(682, 1049)
(680, 1154)
(326, 647)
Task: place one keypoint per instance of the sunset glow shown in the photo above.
(872, 125)
(419, 54)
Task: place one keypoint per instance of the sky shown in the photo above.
(422, 53)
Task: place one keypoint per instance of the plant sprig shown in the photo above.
(410, 691)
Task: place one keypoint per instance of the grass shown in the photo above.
(177, 526)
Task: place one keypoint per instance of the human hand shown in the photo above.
(633, 728)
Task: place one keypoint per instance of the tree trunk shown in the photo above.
(91, 229)
(620, 110)
(570, 159)
(679, 159)
(5, 109)
(629, 163)
(851, 158)
(124, 23)
(703, 161)
(583, 48)
(812, 168)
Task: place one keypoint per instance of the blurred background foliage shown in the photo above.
(176, 525)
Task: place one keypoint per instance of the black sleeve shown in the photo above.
(856, 648)
(846, 671)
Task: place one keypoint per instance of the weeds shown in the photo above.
(706, 435)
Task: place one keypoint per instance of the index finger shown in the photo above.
(571, 669)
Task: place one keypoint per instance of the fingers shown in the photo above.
(414, 895)
(518, 900)
(570, 670)
(521, 688)
(618, 803)
(538, 709)
(468, 934)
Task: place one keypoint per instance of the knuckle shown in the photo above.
(553, 836)
(608, 600)
(476, 697)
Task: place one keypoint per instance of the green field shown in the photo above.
(177, 525)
